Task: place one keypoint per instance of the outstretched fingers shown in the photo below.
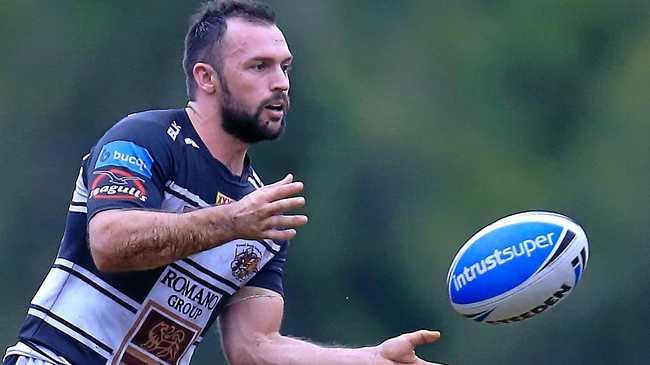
(277, 192)
(282, 227)
(261, 214)
(280, 234)
(285, 205)
(286, 221)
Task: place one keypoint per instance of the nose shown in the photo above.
(280, 80)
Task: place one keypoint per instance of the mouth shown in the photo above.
(275, 112)
(278, 107)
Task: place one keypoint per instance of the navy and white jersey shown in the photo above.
(151, 160)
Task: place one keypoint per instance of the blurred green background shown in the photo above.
(414, 123)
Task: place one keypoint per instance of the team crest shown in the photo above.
(223, 200)
(246, 261)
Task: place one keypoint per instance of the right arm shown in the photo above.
(250, 333)
(131, 239)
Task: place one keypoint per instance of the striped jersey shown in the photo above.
(149, 160)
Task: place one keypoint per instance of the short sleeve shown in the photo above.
(128, 167)
(271, 275)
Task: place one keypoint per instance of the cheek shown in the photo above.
(247, 89)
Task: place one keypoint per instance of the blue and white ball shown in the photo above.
(517, 267)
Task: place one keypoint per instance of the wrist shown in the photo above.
(372, 354)
(210, 226)
(221, 223)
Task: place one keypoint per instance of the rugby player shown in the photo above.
(170, 227)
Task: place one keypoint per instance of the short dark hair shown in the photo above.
(207, 28)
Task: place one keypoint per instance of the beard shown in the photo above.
(248, 126)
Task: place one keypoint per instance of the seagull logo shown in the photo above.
(118, 180)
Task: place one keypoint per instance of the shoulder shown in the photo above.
(153, 129)
(141, 139)
(148, 125)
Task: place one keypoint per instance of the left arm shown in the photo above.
(250, 326)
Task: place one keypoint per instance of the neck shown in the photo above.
(207, 122)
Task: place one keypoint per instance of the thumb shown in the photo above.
(422, 337)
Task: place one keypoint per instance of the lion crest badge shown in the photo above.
(246, 261)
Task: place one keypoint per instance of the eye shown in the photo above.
(286, 68)
(260, 66)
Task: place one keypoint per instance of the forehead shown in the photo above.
(246, 40)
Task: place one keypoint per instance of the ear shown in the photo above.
(205, 77)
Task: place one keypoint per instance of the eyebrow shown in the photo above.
(271, 59)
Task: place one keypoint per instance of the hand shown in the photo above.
(401, 349)
(260, 214)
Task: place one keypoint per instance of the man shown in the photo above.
(170, 227)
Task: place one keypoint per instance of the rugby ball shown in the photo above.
(517, 267)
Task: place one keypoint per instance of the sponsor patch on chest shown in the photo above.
(176, 311)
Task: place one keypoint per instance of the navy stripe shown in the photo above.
(41, 333)
(198, 279)
(72, 327)
(181, 196)
(211, 274)
(575, 261)
(268, 247)
(482, 317)
(88, 281)
(583, 254)
(78, 204)
(472, 315)
(41, 352)
(10, 360)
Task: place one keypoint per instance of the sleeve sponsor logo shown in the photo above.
(126, 154)
(246, 261)
(117, 184)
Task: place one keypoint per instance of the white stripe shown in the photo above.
(78, 209)
(207, 278)
(172, 203)
(97, 280)
(82, 306)
(186, 193)
(254, 183)
(257, 178)
(50, 288)
(273, 245)
(80, 193)
(68, 331)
